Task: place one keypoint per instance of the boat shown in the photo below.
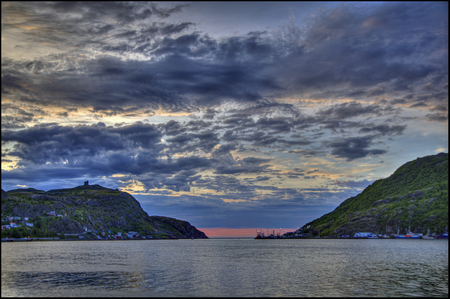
(260, 235)
(363, 235)
(428, 236)
(442, 236)
(409, 235)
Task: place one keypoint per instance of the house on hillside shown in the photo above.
(5, 227)
(51, 213)
(29, 224)
(132, 235)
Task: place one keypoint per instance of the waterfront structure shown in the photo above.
(362, 235)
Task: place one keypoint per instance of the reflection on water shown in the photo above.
(226, 268)
(45, 280)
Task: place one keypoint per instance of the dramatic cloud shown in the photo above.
(353, 148)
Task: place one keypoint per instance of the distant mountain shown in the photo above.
(91, 207)
(415, 196)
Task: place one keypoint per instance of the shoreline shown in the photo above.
(57, 239)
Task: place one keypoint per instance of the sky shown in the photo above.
(233, 116)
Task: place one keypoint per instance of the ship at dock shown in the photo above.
(265, 234)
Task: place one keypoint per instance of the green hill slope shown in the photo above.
(88, 207)
(415, 196)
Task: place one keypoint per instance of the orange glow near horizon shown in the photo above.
(222, 232)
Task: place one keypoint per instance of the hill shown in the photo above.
(89, 208)
(415, 196)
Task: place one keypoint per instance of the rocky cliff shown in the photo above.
(93, 208)
(415, 196)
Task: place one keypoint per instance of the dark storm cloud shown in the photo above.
(51, 142)
(440, 107)
(246, 165)
(72, 17)
(204, 141)
(197, 125)
(384, 129)
(438, 117)
(14, 117)
(295, 173)
(240, 121)
(134, 151)
(361, 50)
(353, 148)
(174, 83)
(368, 50)
(209, 114)
(352, 109)
(276, 124)
(172, 128)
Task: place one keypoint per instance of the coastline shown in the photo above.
(57, 239)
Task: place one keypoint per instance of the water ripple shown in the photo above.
(226, 268)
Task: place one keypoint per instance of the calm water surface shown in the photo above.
(226, 267)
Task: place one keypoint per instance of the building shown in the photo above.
(29, 224)
(5, 227)
(132, 234)
(362, 235)
(51, 213)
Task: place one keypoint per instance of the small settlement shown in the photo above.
(10, 222)
(266, 234)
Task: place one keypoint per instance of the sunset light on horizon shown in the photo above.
(222, 232)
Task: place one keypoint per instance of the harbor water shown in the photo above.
(226, 267)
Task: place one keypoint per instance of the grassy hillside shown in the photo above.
(88, 207)
(415, 196)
